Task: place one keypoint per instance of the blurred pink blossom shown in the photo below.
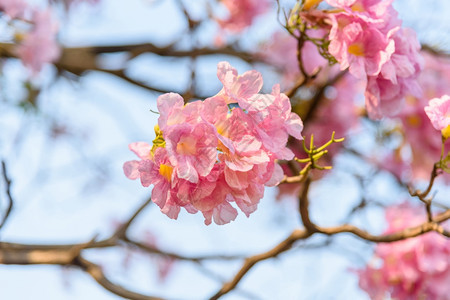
(415, 268)
(13, 8)
(386, 92)
(242, 13)
(39, 46)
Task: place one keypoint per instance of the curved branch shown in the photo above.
(8, 195)
(303, 234)
(253, 260)
(97, 273)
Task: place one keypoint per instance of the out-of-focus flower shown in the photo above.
(13, 8)
(416, 268)
(242, 13)
(39, 46)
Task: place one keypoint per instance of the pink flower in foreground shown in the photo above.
(192, 149)
(39, 46)
(438, 110)
(13, 8)
(416, 268)
(242, 13)
(208, 155)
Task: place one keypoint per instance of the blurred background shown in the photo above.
(64, 136)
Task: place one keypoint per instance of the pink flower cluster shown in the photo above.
(39, 46)
(366, 38)
(438, 111)
(213, 152)
(242, 13)
(416, 268)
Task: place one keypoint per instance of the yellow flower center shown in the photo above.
(166, 171)
(186, 146)
(358, 7)
(413, 121)
(356, 49)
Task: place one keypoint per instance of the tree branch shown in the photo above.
(8, 195)
(97, 273)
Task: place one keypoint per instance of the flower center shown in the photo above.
(413, 121)
(356, 49)
(186, 146)
(166, 171)
(358, 7)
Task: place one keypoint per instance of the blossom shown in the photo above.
(13, 8)
(379, 12)
(240, 89)
(366, 38)
(39, 46)
(416, 268)
(192, 149)
(438, 110)
(398, 77)
(359, 45)
(207, 155)
(242, 13)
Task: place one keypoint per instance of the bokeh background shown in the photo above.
(65, 156)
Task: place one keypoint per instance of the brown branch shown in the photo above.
(8, 195)
(304, 207)
(153, 250)
(97, 273)
(122, 230)
(293, 179)
(253, 260)
(303, 234)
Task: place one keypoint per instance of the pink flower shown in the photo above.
(379, 12)
(207, 155)
(416, 268)
(359, 45)
(398, 78)
(438, 110)
(240, 88)
(13, 8)
(142, 150)
(192, 149)
(39, 46)
(242, 13)
(276, 122)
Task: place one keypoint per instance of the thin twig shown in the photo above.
(8, 195)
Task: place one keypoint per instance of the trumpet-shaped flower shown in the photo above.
(208, 155)
(438, 110)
